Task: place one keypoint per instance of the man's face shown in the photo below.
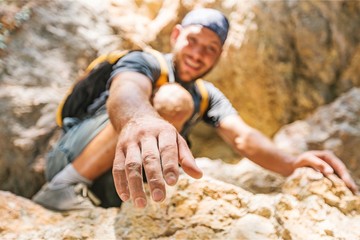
(196, 50)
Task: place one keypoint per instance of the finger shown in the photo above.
(310, 160)
(151, 162)
(349, 182)
(187, 160)
(169, 156)
(133, 168)
(119, 175)
(339, 168)
(330, 158)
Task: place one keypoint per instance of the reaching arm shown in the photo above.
(254, 145)
(145, 140)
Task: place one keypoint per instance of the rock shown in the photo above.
(333, 127)
(42, 57)
(262, 228)
(288, 55)
(322, 216)
(282, 60)
(26, 220)
(305, 183)
(244, 174)
(199, 209)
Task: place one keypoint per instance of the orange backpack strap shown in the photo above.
(204, 96)
(164, 72)
(110, 58)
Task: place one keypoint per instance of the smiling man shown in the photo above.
(131, 135)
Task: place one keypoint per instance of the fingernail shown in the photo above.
(171, 178)
(329, 171)
(158, 195)
(140, 202)
(124, 197)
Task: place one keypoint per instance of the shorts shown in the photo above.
(73, 142)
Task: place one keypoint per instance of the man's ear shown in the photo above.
(175, 34)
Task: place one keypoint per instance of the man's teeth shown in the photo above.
(192, 64)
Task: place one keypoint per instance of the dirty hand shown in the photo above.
(327, 163)
(153, 144)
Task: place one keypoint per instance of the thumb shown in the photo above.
(187, 160)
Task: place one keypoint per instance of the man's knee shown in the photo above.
(174, 103)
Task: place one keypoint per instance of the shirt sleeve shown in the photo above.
(137, 61)
(219, 106)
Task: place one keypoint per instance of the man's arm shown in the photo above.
(253, 145)
(145, 140)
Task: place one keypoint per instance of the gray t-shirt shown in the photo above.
(145, 63)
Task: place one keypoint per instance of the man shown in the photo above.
(129, 135)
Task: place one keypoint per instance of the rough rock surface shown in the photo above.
(309, 207)
(333, 127)
(244, 174)
(42, 56)
(281, 61)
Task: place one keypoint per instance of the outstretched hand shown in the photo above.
(327, 163)
(153, 144)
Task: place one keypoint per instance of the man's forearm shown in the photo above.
(252, 144)
(128, 100)
(258, 148)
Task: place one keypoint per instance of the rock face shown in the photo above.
(42, 57)
(309, 207)
(281, 61)
(333, 127)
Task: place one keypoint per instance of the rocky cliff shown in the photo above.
(282, 61)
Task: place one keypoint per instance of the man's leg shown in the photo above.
(98, 155)
(90, 147)
(95, 164)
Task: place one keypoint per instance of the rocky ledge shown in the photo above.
(309, 206)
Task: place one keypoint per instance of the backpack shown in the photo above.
(90, 86)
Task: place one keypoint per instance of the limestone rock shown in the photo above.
(333, 127)
(201, 209)
(244, 174)
(42, 57)
(25, 220)
(306, 183)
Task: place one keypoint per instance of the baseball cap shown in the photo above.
(209, 18)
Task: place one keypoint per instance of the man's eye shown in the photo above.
(211, 50)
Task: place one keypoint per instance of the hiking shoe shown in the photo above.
(71, 197)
